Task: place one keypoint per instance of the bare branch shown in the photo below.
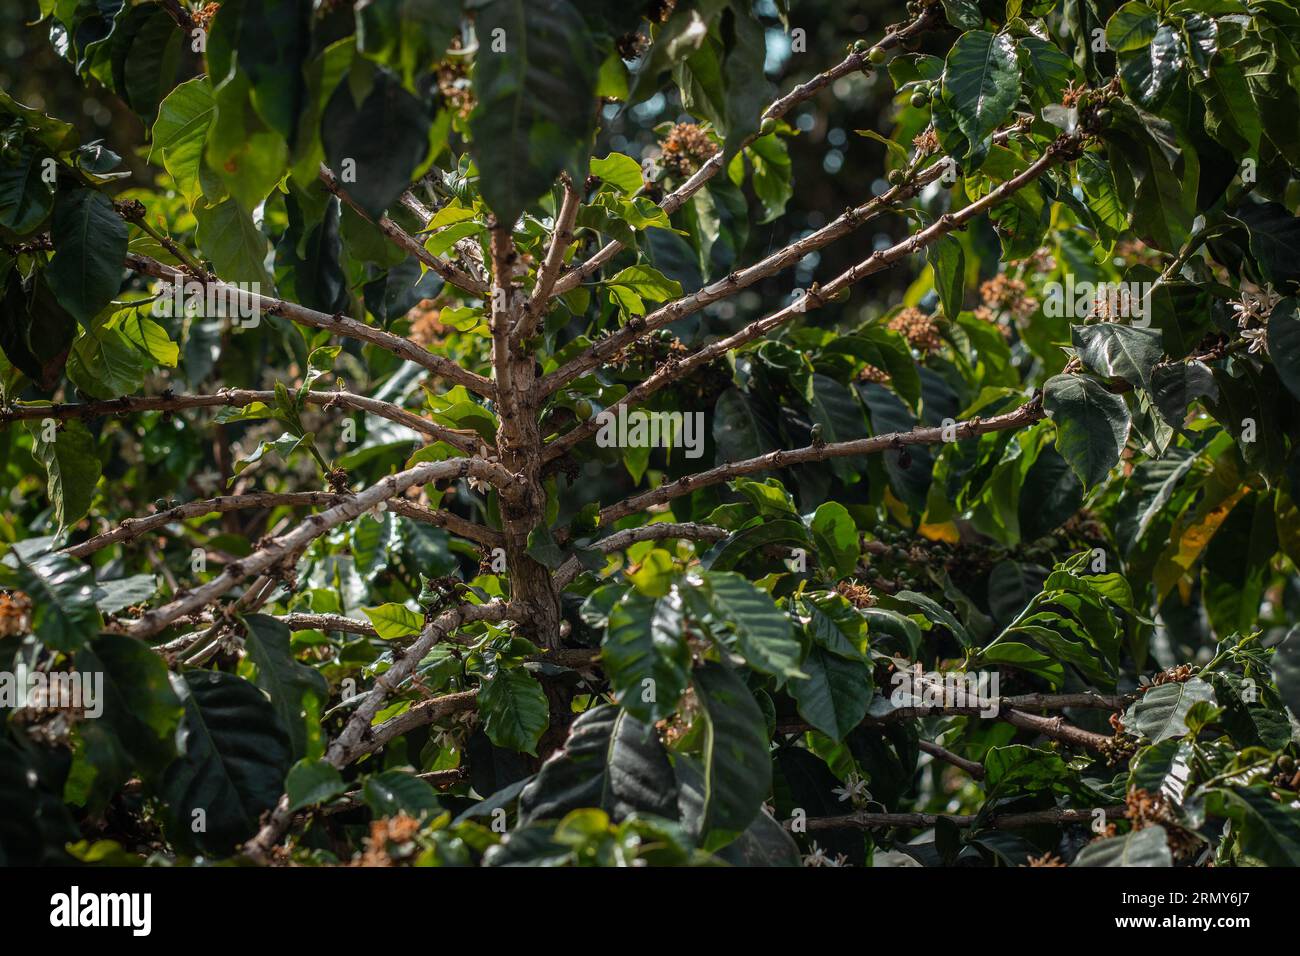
(502, 317)
(974, 768)
(335, 324)
(853, 63)
(549, 271)
(351, 742)
(1004, 821)
(1063, 147)
(1026, 414)
(406, 242)
(468, 248)
(464, 439)
(284, 548)
(132, 528)
(843, 225)
(327, 622)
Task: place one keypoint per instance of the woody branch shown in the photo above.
(1064, 147)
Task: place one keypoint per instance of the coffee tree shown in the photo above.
(409, 470)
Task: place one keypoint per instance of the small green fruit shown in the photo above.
(861, 46)
(768, 127)
(877, 54)
(583, 410)
(1103, 116)
(919, 100)
(896, 177)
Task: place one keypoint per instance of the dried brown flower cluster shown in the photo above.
(1144, 809)
(631, 46)
(203, 17)
(650, 350)
(674, 728)
(1172, 675)
(920, 330)
(454, 86)
(1083, 524)
(1135, 252)
(659, 11)
(870, 373)
(390, 841)
(1047, 859)
(15, 614)
(1040, 261)
(926, 142)
(425, 327)
(859, 595)
(1071, 95)
(1005, 299)
(686, 148)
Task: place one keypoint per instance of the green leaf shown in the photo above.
(1161, 713)
(312, 782)
(747, 89)
(375, 146)
(1145, 847)
(407, 36)
(231, 240)
(62, 590)
(1284, 343)
(620, 171)
(1119, 351)
(981, 82)
(1286, 670)
(297, 691)
(71, 462)
(395, 620)
(112, 596)
(1091, 425)
(139, 702)
(948, 261)
(393, 791)
(1051, 493)
(181, 131)
(104, 363)
(763, 633)
(835, 625)
(1132, 27)
(146, 53)
(646, 656)
(514, 709)
(535, 80)
(836, 535)
(636, 283)
(89, 251)
(610, 760)
(1266, 829)
(234, 758)
(737, 767)
(835, 695)
(25, 197)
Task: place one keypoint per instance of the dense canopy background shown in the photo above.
(987, 311)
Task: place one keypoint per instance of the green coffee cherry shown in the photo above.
(896, 177)
(860, 46)
(1103, 117)
(919, 99)
(768, 126)
(877, 54)
(582, 409)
